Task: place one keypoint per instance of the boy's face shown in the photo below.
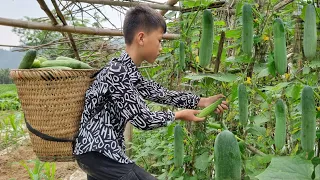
(152, 45)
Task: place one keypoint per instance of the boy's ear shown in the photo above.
(140, 38)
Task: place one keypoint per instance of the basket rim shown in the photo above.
(35, 69)
(49, 74)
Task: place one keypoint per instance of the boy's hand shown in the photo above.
(204, 102)
(188, 115)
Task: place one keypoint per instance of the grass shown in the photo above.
(7, 87)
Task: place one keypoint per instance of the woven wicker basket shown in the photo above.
(52, 101)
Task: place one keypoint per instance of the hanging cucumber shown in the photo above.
(247, 29)
(310, 32)
(308, 125)
(178, 146)
(280, 49)
(243, 104)
(280, 132)
(227, 157)
(206, 42)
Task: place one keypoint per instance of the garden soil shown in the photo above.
(11, 169)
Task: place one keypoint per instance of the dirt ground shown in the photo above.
(11, 169)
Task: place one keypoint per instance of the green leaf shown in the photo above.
(256, 130)
(219, 77)
(234, 33)
(271, 65)
(315, 161)
(202, 161)
(261, 118)
(219, 23)
(315, 64)
(287, 168)
(263, 73)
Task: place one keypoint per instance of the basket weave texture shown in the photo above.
(52, 101)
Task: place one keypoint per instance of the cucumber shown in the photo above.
(280, 49)
(57, 67)
(209, 109)
(280, 132)
(243, 104)
(227, 157)
(310, 33)
(182, 54)
(41, 59)
(308, 124)
(74, 64)
(206, 42)
(82, 64)
(178, 146)
(28, 59)
(247, 29)
(36, 63)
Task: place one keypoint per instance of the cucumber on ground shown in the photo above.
(280, 48)
(310, 32)
(280, 132)
(227, 157)
(74, 64)
(247, 29)
(28, 59)
(243, 104)
(178, 146)
(308, 124)
(206, 41)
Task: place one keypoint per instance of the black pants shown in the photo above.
(99, 167)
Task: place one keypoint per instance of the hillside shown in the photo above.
(10, 59)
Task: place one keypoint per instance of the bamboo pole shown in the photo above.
(64, 22)
(217, 4)
(128, 4)
(282, 4)
(170, 3)
(45, 8)
(71, 29)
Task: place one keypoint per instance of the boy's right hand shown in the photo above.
(188, 115)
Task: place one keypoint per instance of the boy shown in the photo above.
(117, 97)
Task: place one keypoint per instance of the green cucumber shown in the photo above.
(247, 29)
(178, 146)
(206, 41)
(227, 157)
(308, 125)
(243, 104)
(280, 132)
(28, 59)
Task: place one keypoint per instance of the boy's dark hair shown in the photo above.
(144, 18)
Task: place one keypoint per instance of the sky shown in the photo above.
(17, 9)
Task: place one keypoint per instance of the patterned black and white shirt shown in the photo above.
(121, 89)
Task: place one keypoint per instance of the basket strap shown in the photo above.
(45, 136)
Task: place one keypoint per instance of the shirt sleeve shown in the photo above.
(153, 91)
(129, 103)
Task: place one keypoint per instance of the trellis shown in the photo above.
(68, 30)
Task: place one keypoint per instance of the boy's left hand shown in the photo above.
(209, 100)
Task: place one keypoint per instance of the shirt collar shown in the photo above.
(132, 69)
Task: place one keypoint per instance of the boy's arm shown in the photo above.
(153, 91)
(129, 104)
